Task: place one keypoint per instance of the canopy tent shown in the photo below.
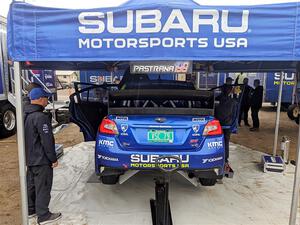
(155, 30)
(247, 37)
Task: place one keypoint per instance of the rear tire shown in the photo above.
(110, 179)
(207, 181)
(293, 111)
(9, 121)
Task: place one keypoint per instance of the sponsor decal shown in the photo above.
(156, 24)
(196, 128)
(210, 160)
(106, 143)
(161, 165)
(124, 127)
(159, 126)
(198, 119)
(165, 162)
(288, 79)
(215, 144)
(153, 158)
(123, 118)
(108, 158)
(161, 67)
(194, 143)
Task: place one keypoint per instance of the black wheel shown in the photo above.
(297, 120)
(293, 111)
(8, 119)
(110, 179)
(207, 181)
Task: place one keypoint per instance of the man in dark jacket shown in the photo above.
(256, 104)
(225, 114)
(40, 157)
(245, 103)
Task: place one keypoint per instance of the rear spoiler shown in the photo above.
(161, 95)
(161, 111)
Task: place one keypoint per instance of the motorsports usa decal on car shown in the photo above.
(149, 161)
(140, 29)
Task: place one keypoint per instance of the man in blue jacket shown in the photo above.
(40, 156)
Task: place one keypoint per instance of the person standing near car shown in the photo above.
(40, 157)
(245, 103)
(256, 104)
(224, 112)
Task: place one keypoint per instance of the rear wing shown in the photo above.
(161, 101)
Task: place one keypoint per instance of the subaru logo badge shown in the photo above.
(160, 119)
(124, 127)
(196, 128)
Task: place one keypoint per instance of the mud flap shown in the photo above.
(229, 172)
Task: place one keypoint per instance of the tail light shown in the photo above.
(212, 128)
(108, 126)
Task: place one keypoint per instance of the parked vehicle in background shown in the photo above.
(45, 78)
(7, 110)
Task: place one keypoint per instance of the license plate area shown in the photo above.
(160, 136)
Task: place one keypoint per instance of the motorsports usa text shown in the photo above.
(146, 29)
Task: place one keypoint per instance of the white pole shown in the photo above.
(21, 141)
(295, 196)
(198, 80)
(278, 114)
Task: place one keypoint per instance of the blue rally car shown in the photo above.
(144, 124)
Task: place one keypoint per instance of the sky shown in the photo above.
(4, 4)
(4, 7)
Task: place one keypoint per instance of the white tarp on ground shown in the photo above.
(250, 198)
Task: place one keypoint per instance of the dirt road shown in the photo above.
(9, 177)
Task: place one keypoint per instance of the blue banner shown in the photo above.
(46, 77)
(155, 30)
(272, 87)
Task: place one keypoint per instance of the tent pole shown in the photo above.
(21, 141)
(278, 114)
(295, 196)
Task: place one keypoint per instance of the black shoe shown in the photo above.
(253, 129)
(51, 218)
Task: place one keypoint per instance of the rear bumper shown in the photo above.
(206, 162)
(213, 173)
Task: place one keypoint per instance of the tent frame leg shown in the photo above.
(295, 196)
(21, 141)
(278, 114)
(160, 207)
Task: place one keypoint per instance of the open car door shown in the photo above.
(88, 106)
(237, 95)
